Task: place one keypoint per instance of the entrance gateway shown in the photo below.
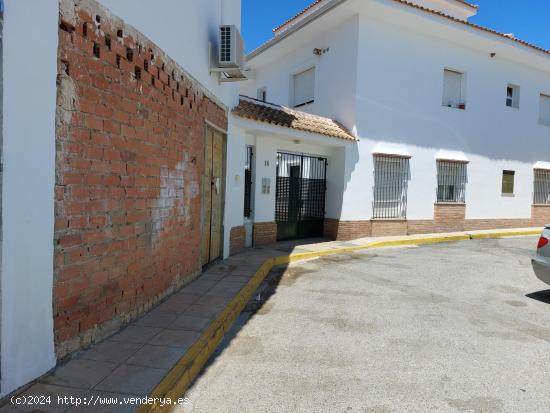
(300, 196)
(212, 196)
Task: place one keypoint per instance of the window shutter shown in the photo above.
(304, 87)
(452, 88)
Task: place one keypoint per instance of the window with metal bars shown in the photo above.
(391, 180)
(248, 182)
(451, 181)
(542, 187)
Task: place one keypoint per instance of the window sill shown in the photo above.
(509, 195)
(301, 105)
(450, 203)
(388, 219)
(542, 205)
(459, 107)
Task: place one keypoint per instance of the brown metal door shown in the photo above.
(213, 186)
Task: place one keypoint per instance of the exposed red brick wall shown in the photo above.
(420, 226)
(264, 233)
(130, 155)
(346, 230)
(237, 239)
(387, 227)
(541, 214)
(449, 217)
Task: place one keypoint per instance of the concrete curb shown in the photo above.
(178, 379)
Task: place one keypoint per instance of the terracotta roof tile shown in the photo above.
(315, 3)
(257, 110)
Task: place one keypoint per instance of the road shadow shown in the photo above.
(256, 304)
(542, 296)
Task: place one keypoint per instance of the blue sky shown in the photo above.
(527, 19)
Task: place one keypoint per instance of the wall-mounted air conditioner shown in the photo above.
(230, 55)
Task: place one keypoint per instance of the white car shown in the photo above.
(541, 261)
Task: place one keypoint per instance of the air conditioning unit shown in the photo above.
(230, 59)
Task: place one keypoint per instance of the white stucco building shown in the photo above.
(452, 118)
(386, 117)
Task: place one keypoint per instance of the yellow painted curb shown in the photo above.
(178, 379)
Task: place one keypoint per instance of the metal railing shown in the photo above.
(452, 177)
(391, 180)
(542, 187)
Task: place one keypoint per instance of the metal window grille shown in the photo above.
(248, 182)
(542, 187)
(391, 180)
(451, 181)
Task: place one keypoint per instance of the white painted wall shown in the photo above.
(27, 349)
(183, 30)
(234, 189)
(451, 7)
(266, 148)
(399, 97)
(395, 69)
(332, 98)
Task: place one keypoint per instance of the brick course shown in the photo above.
(130, 155)
(264, 233)
(447, 218)
(237, 239)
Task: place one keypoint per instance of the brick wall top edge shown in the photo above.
(68, 13)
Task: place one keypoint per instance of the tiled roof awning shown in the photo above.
(257, 110)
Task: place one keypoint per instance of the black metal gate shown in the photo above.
(300, 196)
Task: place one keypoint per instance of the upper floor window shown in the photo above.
(262, 94)
(451, 181)
(512, 96)
(508, 178)
(544, 115)
(454, 89)
(304, 87)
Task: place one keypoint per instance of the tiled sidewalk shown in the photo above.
(132, 362)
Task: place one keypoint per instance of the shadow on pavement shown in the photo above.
(543, 296)
(266, 289)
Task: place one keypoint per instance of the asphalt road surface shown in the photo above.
(458, 327)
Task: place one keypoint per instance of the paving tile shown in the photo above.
(242, 279)
(137, 380)
(136, 334)
(199, 287)
(225, 290)
(184, 297)
(213, 276)
(173, 306)
(80, 373)
(187, 322)
(202, 311)
(156, 356)
(157, 318)
(113, 351)
(182, 339)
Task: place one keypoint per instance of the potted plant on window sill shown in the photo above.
(462, 106)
